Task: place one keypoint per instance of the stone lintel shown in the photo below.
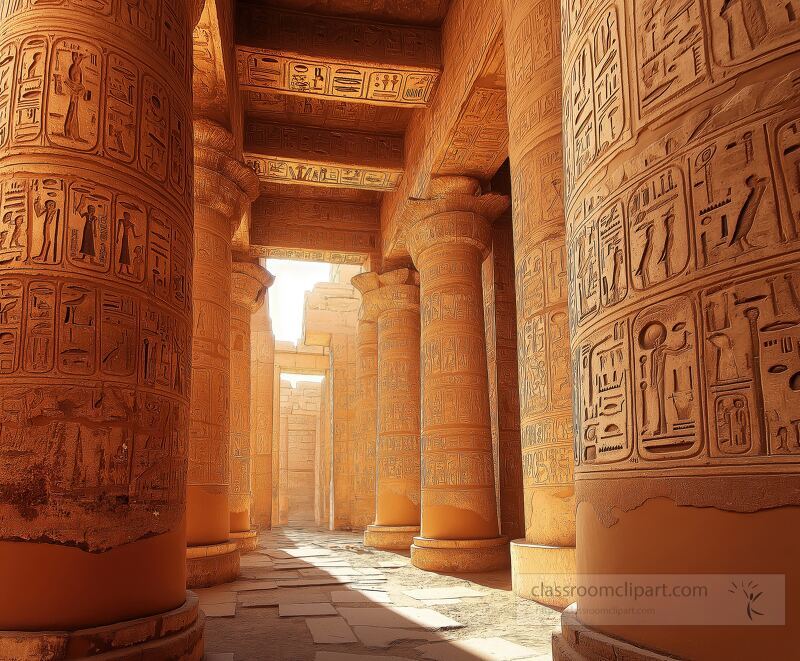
(463, 131)
(324, 146)
(337, 58)
(333, 231)
(318, 171)
(306, 255)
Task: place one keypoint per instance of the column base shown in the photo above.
(211, 565)
(176, 634)
(460, 555)
(577, 642)
(544, 574)
(246, 541)
(393, 538)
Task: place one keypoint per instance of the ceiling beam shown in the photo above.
(335, 58)
(288, 154)
(320, 230)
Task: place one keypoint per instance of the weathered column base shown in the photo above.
(246, 542)
(176, 634)
(393, 538)
(212, 564)
(577, 642)
(543, 573)
(461, 556)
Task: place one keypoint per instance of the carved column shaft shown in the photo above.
(262, 365)
(459, 527)
(502, 361)
(223, 185)
(535, 151)
(248, 291)
(95, 314)
(364, 414)
(397, 504)
(681, 157)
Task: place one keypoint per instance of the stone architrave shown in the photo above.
(395, 297)
(545, 384)
(448, 239)
(249, 284)
(500, 320)
(365, 405)
(262, 364)
(223, 186)
(95, 328)
(682, 202)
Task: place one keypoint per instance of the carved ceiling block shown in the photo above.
(342, 147)
(322, 225)
(336, 58)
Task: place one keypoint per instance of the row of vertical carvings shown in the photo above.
(95, 293)
(700, 224)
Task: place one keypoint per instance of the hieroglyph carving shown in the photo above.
(261, 69)
(295, 171)
(684, 304)
(95, 271)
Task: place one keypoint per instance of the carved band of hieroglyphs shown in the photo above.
(160, 25)
(261, 69)
(50, 95)
(303, 255)
(292, 171)
(677, 55)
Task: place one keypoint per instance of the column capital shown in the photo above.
(249, 284)
(456, 211)
(222, 181)
(395, 290)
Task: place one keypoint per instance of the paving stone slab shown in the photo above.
(273, 598)
(303, 582)
(387, 636)
(403, 617)
(269, 574)
(215, 596)
(305, 610)
(243, 586)
(476, 649)
(346, 656)
(306, 552)
(443, 593)
(330, 571)
(330, 630)
(358, 597)
(219, 610)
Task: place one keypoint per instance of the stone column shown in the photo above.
(249, 283)
(95, 328)
(448, 242)
(262, 365)
(500, 319)
(365, 406)
(682, 155)
(223, 186)
(397, 505)
(324, 459)
(533, 56)
(276, 446)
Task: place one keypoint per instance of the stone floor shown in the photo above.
(315, 595)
